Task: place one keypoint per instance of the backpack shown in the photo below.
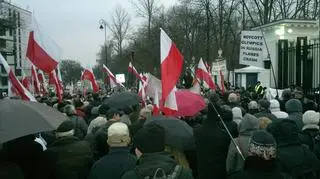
(160, 174)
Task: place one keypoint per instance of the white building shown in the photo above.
(273, 32)
(15, 24)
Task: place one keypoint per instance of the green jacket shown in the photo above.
(149, 163)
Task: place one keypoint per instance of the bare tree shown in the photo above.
(119, 28)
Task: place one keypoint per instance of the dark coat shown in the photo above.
(266, 113)
(69, 158)
(307, 137)
(294, 158)
(212, 144)
(81, 127)
(295, 111)
(10, 170)
(114, 165)
(149, 163)
(257, 168)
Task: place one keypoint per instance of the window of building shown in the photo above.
(3, 43)
(10, 13)
(3, 71)
(2, 30)
(4, 81)
(11, 32)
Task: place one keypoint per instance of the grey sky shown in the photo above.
(73, 24)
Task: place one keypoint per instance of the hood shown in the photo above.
(293, 105)
(236, 113)
(149, 163)
(248, 123)
(286, 132)
(274, 106)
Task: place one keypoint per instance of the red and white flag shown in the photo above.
(112, 79)
(133, 70)
(60, 78)
(42, 51)
(88, 74)
(203, 74)
(171, 67)
(53, 79)
(19, 88)
(196, 87)
(35, 80)
(25, 81)
(156, 105)
(142, 93)
(43, 83)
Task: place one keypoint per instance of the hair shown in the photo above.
(264, 122)
(178, 156)
(96, 124)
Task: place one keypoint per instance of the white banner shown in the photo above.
(153, 85)
(252, 48)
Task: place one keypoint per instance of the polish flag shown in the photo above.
(43, 83)
(133, 70)
(112, 79)
(60, 78)
(53, 79)
(203, 74)
(142, 93)
(87, 74)
(171, 67)
(156, 106)
(35, 80)
(19, 88)
(42, 51)
(25, 81)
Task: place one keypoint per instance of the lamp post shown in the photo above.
(103, 26)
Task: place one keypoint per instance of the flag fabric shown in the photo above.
(53, 79)
(221, 82)
(142, 93)
(60, 77)
(19, 88)
(156, 106)
(171, 67)
(112, 79)
(43, 83)
(35, 80)
(25, 81)
(41, 50)
(133, 70)
(87, 74)
(153, 86)
(203, 74)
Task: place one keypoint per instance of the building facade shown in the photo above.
(15, 25)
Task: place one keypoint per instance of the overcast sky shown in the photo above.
(74, 26)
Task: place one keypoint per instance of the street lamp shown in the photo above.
(103, 26)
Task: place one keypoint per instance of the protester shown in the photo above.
(234, 101)
(125, 116)
(79, 108)
(178, 155)
(68, 157)
(118, 160)
(265, 110)
(152, 160)
(310, 130)
(253, 107)
(275, 109)
(247, 126)
(96, 124)
(261, 160)
(307, 104)
(294, 109)
(264, 122)
(81, 126)
(286, 96)
(293, 158)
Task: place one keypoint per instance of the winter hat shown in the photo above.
(118, 135)
(264, 122)
(150, 139)
(253, 105)
(274, 105)
(237, 114)
(263, 145)
(248, 123)
(66, 128)
(293, 105)
(96, 124)
(264, 103)
(233, 98)
(310, 120)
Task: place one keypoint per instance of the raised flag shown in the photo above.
(35, 80)
(26, 81)
(171, 67)
(88, 74)
(42, 51)
(142, 93)
(19, 88)
(43, 83)
(53, 79)
(133, 70)
(112, 79)
(222, 82)
(156, 106)
(203, 74)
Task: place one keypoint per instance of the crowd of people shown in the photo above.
(239, 135)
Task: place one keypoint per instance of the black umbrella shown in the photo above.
(178, 133)
(123, 100)
(20, 118)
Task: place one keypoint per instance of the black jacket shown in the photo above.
(257, 168)
(69, 158)
(149, 163)
(212, 144)
(266, 113)
(114, 165)
(81, 127)
(307, 137)
(10, 170)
